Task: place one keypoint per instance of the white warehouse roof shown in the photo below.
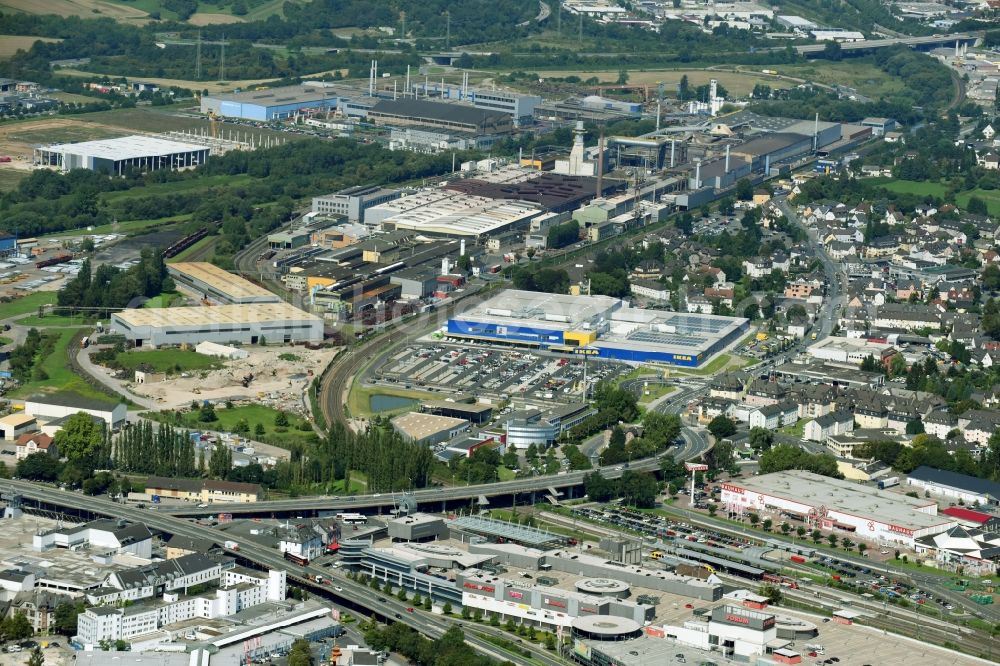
(126, 147)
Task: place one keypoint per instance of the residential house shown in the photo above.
(761, 392)
(35, 442)
(821, 428)
(773, 416)
(651, 289)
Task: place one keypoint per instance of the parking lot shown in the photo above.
(485, 370)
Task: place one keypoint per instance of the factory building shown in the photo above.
(252, 324)
(850, 350)
(599, 326)
(520, 107)
(117, 156)
(863, 512)
(212, 283)
(444, 115)
(275, 103)
(548, 608)
(354, 201)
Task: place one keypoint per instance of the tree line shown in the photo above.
(113, 288)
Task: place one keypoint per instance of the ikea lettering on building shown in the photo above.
(599, 326)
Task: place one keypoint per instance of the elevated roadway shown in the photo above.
(352, 594)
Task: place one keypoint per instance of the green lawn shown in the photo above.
(866, 77)
(57, 321)
(254, 414)
(26, 304)
(128, 227)
(60, 377)
(164, 300)
(197, 249)
(4, 340)
(167, 360)
(796, 430)
(655, 391)
(910, 186)
(713, 366)
(991, 197)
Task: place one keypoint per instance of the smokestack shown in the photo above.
(697, 175)
(657, 115)
(727, 158)
(444, 266)
(394, 91)
(375, 76)
(956, 48)
(461, 248)
(816, 133)
(672, 145)
(600, 165)
(371, 78)
(407, 89)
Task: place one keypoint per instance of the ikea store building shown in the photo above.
(599, 326)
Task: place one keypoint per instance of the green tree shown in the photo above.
(81, 439)
(39, 467)
(767, 524)
(16, 628)
(816, 536)
(206, 413)
(65, 616)
(721, 426)
(977, 206)
(281, 420)
(300, 654)
(832, 538)
(754, 519)
(772, 592)
(622, 77)
(36, 658)
(760, 439)
(862, 548)
(446, 609)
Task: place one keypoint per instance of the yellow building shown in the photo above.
(204, 490)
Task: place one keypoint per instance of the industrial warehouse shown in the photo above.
(599, 326)
(210, 282)
(116, 156)
(255, 323)
(874, 515)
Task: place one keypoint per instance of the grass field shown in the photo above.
(9, 178)
(254, 414)
(178, 186)
(56, 321)
(991, 197)
(865, 77)
(26, 304)
(655, 391)
(67, 134)
(163, 300)
(167, 360)
(11, 44)
(60, 377)
(910, 186)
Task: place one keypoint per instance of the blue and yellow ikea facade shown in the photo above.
(587, 343)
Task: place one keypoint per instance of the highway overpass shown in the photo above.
(969, 38)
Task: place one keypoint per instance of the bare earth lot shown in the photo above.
(11, 44)
(83, 8)
(277, 382)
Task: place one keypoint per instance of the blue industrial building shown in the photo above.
(8, 244)
(276, 103)
(599, 326)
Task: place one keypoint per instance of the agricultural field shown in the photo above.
(18, 138)
(737, 83)
(123, 12)
(11, 44)
(211, 86)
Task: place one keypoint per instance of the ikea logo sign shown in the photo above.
(586, 352)
(682, 357)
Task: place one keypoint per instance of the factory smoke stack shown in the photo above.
(727, 158)
(600, 165)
